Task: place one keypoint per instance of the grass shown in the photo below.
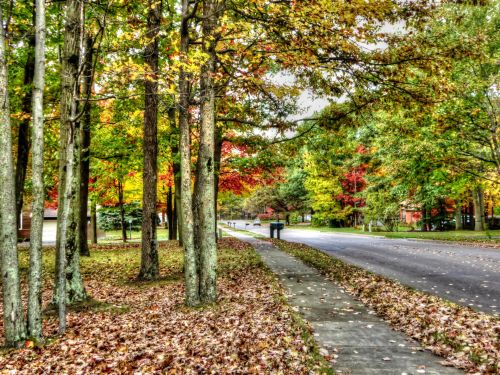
(116, 235)
(247, 232)
(485, 237)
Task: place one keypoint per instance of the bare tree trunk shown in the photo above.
(174, 221)
(176, 174)
(177, 203)
(69, 284)
(83, 246)
(170, 214)
(13, 315)
(149, 258)
(459, 225)
(186, 214)
(23, 139)
(218, 158)
(205, 180)
(122, 212)
(93, 220)
(35, 271)
(478, 194)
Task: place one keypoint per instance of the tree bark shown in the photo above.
(83, 246)
(177, 203)
(190, 260)
(69, 284)
(170, 214)
(218, 158)
(93, 221)
(176, 172)
(205, 180)
(149, 258)
(459, 225)
(13, 316)
(35, 271)
(122, 212)
(478, 194)
(23, 139)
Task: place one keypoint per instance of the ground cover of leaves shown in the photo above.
(465, 338)
(144, 328)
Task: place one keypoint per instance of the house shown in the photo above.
(49, 226)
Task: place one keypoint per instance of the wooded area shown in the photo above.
(196, 109)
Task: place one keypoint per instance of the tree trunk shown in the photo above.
(459, 225)
(35, 270)
(177, 203)
(170, 214)
(122, 212)
(205, 192)
(149, 258)
(218, 158)
(425, 226)
(478, 194)
(93, 220)
(186, 214)
(13, 315)
(175, 222)
(69, 284)
(85, 135)
(176, 173)
(23, 139)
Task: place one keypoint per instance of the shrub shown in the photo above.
(108, 218)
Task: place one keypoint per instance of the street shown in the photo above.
(466, 275)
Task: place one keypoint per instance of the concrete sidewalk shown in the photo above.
(364, 343)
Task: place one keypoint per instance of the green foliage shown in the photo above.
(384, 206)
(108, 218)
(230, 205)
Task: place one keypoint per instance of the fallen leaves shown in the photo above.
(250, 330)
(466, 338)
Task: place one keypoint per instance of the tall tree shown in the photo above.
(13, 316)
(23, 139)
(204, 196)
(149, 258)
(85, 151)
(69, 286)
(186, 212)
(35, 271)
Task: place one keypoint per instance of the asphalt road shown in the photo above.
(466, 275)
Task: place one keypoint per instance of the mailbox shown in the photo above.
(278, 227)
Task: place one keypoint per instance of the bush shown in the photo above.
(295, 218)
(108, 218)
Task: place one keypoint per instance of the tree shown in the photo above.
(35, 271)
(149, 258)
(13, 315)
(69, 286)
(85, 137)
(190, 257)
(23, 139)
(204, 195)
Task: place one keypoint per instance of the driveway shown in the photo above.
(466, 275)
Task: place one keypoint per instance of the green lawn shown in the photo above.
(488, 237)
(116, 235)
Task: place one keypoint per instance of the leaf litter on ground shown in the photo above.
(149, 330)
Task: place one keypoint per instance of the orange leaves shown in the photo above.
(249, 331)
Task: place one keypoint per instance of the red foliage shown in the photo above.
(352, 183)
(240, 180)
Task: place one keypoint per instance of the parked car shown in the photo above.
(256, 222)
